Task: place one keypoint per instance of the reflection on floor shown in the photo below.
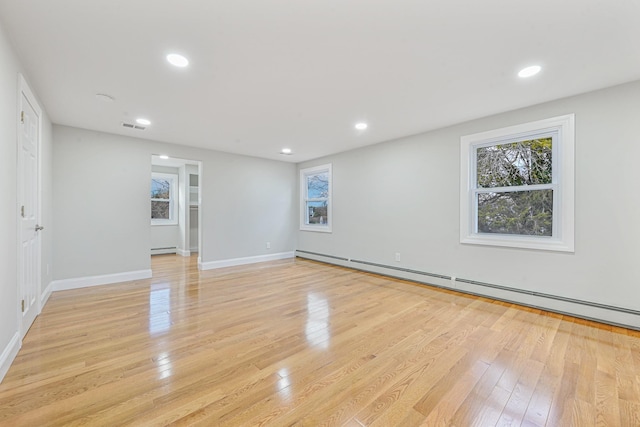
(295, 342)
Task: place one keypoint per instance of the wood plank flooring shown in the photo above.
(301, 343)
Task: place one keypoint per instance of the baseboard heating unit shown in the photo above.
(161, 251)
(590, 310)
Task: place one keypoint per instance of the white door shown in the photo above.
(29, 251)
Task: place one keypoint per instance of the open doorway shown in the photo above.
(175, 206)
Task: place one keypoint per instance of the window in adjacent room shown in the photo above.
(163, 199)
(517, 186)
(315, 196)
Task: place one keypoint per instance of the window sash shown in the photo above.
(561, 129)
(514, 188)
(322, 222)
(555, 154)
(171, 201)
(529, 223)
(305, 178)
(554, 185)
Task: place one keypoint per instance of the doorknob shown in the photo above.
(39, 227)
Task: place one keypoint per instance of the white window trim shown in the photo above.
(563, 185)
(323, 228)
(173, 200)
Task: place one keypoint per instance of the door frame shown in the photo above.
(25, 91)
(183, 197)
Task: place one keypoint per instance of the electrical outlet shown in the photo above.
(268, 245)
(397, 256)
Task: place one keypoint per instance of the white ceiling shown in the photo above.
(299, 73)
(172, 162)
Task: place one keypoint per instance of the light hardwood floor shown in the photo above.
(297, 342)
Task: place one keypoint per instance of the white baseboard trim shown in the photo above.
(618, 316)
(106, 279)
(45, 295)
(9, 354)
(182, 252)
(211, 265)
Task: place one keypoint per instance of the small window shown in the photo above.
(163, 199)
(315, 196)
(517, 186)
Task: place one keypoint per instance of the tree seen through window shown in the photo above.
(160, 198)
(525, 210)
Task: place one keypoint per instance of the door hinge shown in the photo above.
(23, 306)
(22, 211)
(22, 117)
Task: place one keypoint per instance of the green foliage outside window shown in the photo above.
(515, 164)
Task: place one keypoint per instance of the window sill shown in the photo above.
(319, 229)
(518, 242)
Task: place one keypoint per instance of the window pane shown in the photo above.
(526, 213)
(160, 188)
(517, 163)
(316, 213)
(318, 186)
(160, 209)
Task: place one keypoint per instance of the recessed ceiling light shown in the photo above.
(104, 97)
(143, 122)
(177, 60)
(361, 126)
(164, 157)
(529, 71)
(286, 151)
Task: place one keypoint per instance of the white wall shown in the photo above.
(164, 236)
(46, 188)
(9, 327)
(183, 211)
(403, 196)
(192, 208)
(101, 204)
(101, 190)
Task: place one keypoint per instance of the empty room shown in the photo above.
(305, 213)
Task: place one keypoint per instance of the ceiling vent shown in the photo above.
(132, 126)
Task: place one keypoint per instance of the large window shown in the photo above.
(315, 197)
(517, 186)
(163, 199)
